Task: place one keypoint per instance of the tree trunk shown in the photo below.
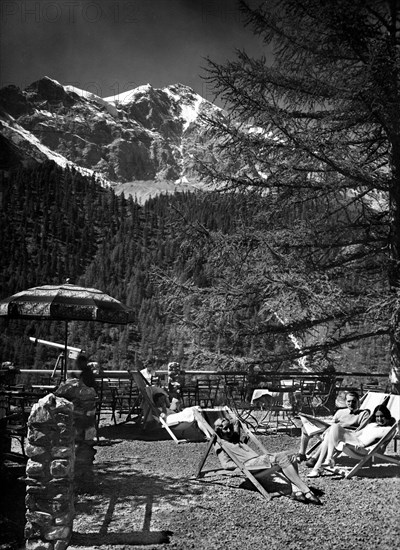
(394, 273)
(395, 351)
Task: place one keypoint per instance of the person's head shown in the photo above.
(86, 375)
(352, 400)
(149, 366)
(382, 416)
(95, 367)
(224, 428)
(160, 399)
(173, 366)
(81, 362)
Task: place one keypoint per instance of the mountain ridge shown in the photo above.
(147, 134)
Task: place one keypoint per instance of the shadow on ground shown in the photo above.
(378, 470)
(131, 431)
(122, 490)
(12, 505)
(135, 538)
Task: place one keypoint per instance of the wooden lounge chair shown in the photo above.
(151, 412)
(181, 427)
(377, 450)
(368, 403)
(208, 419)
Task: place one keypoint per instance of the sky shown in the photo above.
(111, 46)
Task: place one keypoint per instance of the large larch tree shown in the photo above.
(313, 135)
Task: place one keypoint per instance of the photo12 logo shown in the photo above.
(69, 11)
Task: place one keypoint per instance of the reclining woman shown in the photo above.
(378, 425)
(229, 431)
(174, 419)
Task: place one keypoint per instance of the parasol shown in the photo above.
(65, 302)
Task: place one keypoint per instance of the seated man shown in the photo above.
(229, 431)
(351, 417)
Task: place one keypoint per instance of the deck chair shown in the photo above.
(207, 420)
(151, 412)
(377, 450)
(368, 403)
(181, 426)
(393, 405)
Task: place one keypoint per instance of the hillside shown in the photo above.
(57, 224)
(105, 192)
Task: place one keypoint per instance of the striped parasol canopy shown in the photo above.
(66, 302)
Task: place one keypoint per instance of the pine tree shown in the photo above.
(314, 135)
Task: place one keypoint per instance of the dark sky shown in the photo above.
(110, 46)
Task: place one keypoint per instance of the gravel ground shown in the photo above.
(144, 496)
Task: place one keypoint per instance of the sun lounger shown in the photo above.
(178, 429)
(317, 427)
(208, 419)
(377, 450)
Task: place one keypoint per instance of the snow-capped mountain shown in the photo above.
(143, 141)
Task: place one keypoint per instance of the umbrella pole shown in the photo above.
(64, 371)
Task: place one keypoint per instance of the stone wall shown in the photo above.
(84, 400)
(61, 436)
(49, 474)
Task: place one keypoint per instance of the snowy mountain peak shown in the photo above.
(125, 98)
(181, 92)
(145, 137)
(55, 82)
(89, 96)
(48, 89)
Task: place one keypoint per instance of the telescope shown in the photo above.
(72, 352)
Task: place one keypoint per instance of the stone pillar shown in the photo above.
(84, 401)
(49, 475)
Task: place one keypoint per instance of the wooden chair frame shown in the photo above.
(377, 450)
(364, 401)
(214, 440)
(152, 410)
(374, 451)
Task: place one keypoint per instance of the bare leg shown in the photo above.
(304, 440)
(298, 484)
(287, 464)
(323, 451)
(333, 436)
(316, 452)
(304, 444)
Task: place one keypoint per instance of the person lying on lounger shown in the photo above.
(172, 418)
(378, 425)
(229, 431)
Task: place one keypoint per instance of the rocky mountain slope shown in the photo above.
(143, 141)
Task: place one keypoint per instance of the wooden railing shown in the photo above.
(117, 393)
(356, 380)
(217, 380)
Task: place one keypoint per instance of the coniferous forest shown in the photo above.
(57, 224)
